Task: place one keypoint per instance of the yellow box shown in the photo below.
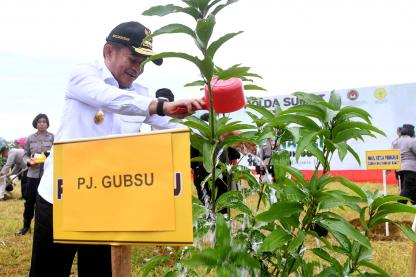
(383, 159)
(124, 190)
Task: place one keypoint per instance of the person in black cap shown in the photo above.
(95, 92)
(406, 143)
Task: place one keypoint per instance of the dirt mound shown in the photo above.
(379, 233)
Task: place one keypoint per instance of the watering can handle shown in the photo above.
(183, 110)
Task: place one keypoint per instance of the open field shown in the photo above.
(15, 251)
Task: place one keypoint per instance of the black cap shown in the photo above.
(131, 35)
(165, 93)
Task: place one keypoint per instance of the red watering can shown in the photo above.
(227, 96)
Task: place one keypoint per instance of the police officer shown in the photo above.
(95, 93)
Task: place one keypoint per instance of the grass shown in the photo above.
(15, 251)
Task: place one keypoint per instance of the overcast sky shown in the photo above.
(296, 45)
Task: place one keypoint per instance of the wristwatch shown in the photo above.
(159, 106)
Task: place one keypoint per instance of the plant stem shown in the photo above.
(212, 123)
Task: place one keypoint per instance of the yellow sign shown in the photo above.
(133, 189)
(383, 159)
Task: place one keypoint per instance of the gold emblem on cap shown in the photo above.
(99, 117)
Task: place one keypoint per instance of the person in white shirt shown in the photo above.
(96, 92)
(126, 124)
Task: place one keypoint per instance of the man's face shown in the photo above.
(124, 65)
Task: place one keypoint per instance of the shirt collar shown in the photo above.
(109, 78)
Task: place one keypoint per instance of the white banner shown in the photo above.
(390, 107)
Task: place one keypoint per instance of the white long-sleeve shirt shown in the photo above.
(91, 88)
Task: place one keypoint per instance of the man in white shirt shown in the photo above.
(125, 124)
(96, 92)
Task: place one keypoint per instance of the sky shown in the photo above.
(295, 45)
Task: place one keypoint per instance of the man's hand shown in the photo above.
(190, 105)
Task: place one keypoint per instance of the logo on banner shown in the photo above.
(353, 95)
(380, 93)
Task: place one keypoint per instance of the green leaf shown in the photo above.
(335, 100)
(204, 28)
(329, 200)
(297, 119)
(344, 181)
(202, 5)
(385, 199)
(279, 161)
(179, 55)
(222, 233)
(207, 257)
(198, 83)
(354, 154)
(246, 260)
(214, 46)
(152, 264)
(253, 87)
(327, 257)
(348, 125)
(349, 112)
(308, 97)
(172, 29)
(207, 156)
(261, 110)
(296, 242)
(342, 148)
(231, 199)
(407, 230)
(294, 172)
(306, 110)
(206, 68)
(198, 124)
(197, 141)
(317, 153)
(374, 267)
(276, 239)
(346, 135)
(220, 7)
(280, 210)
(236, 72)
(396, 208)
(163, 10)
(235, 127)
(342, 226)
(343, 241)
(213, 3)
(295, 132)
(362, 218)
(305, 141)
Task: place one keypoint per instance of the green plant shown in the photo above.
(273, 242)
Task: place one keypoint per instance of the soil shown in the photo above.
(379, 233)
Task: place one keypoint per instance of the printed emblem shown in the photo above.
(99, 117)
(353, 94)
(380, 93)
